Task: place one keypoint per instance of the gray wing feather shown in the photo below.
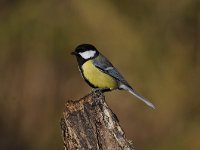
(105, 65)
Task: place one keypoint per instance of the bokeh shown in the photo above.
(154, 44)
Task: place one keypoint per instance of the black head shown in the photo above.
(85, 51)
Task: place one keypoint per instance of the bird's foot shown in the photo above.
(94, 90)
(99, 91)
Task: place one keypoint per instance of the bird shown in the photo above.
(100, 74)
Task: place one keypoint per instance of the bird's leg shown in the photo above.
(100, 89)
(96, 89)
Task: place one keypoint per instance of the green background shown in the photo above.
(154, 44)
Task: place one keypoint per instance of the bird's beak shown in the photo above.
(73, 53)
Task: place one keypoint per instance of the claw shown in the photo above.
(100, 89)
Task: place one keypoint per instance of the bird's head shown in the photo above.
(85, 51)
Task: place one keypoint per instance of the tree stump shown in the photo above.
(89, 123)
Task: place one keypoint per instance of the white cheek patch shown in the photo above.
(87, 54)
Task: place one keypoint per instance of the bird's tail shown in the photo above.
(136, 94)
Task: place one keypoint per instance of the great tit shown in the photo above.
(100, 74)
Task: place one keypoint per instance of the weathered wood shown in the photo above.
(89, 123)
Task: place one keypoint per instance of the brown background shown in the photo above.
(155, 44)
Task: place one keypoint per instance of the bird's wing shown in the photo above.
(105, 65)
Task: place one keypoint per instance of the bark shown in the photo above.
(89, 123)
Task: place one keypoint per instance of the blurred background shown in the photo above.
(155, 44)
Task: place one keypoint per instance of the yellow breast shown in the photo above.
(97, 77)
